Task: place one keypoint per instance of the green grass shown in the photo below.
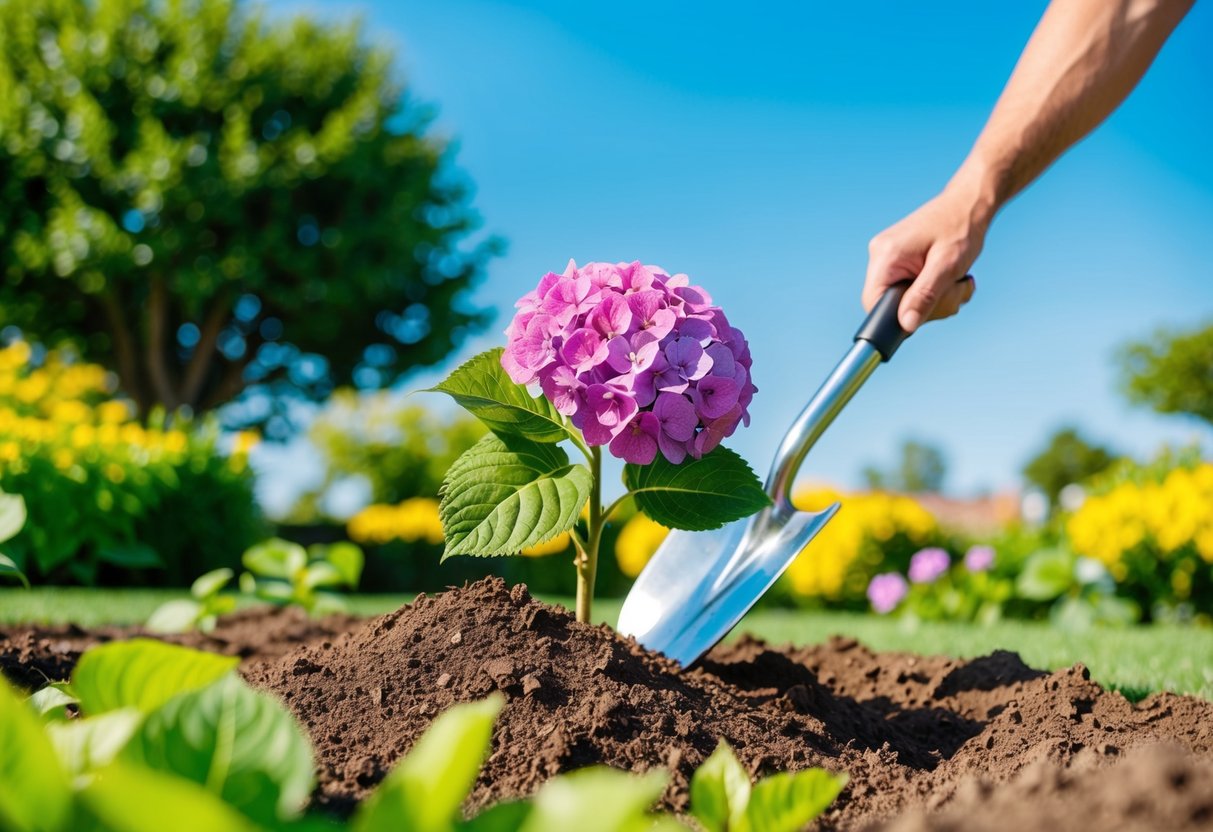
(1135, 661)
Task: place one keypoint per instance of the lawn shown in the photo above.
(1134, 660)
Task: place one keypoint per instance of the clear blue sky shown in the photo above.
(758, 151)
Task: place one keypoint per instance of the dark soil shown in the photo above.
(929, 743)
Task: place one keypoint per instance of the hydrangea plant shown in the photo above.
(622, 356)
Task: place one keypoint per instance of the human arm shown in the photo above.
(1082, 61)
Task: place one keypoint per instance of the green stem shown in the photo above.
(587, 558)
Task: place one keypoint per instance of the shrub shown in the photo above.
(111, 500)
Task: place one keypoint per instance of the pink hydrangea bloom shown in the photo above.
(640, 360)
(886, 591)
(927, 565)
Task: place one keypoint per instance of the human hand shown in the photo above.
(934, 247)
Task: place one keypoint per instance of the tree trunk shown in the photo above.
(204, 352)
(157, 330)
(124, 350)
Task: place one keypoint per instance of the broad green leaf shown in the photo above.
(424, 791)
(12, 515)
(34, 789)
(348, 559)
(596, 799)
(482, 387)
(699, 494)
(1046, 575)
(241, 744)
(142, 674)
(177, 616)
(501, 817)
(136, 799)
(8, 569)
(720, 791)
(275, 558)
(87, 744)
(130, 556)
(51, 702)
(507, 493)
(787, 801)
(210, 583)
(322, 573)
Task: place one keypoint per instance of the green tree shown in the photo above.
(920, 468)
(1067, 458)
(211, 203)
(1172, 372)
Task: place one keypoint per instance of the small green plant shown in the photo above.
(201, 611)
(285, 573)
(723, 800)
(626, 357)
(12, 518)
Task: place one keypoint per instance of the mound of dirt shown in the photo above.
(912, 732)
(32, 656)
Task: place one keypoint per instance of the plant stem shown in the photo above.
(587, 558)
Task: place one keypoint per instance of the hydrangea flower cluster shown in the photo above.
(640, 360)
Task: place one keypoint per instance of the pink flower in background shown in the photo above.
(640, 360)
(886, 591)
(979, 558)
(927, 565)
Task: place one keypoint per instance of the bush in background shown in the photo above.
(111, 500)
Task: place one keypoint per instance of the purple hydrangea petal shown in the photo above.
(637, 442)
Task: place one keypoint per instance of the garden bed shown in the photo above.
(928, 742)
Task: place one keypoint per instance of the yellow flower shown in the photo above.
(63, 459)
(115, 473)
(71, 412)
(113, 412)
(555, 546)
(83, 436)
(175, 441)
(413, 520)
(637, 542)
(14, 356)
(245, 441)
(9, 452)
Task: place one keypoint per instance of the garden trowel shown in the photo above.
(698, 585)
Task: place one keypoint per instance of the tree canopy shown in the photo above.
(921, 468)
(213, 203)
(1068, 458)
(1171, 372)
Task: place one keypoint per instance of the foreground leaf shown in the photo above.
(720, 791)
(34, 789)
(87, 744)
(211, 582)
(507, 493)
(51, 701)
(482, 387)
(598, 799)
(241, 744)
(8, 568)
(142, 674)
(787, 801)
(135, 799)
(699, 494)
(424, 791)
(12, 515)
(275, 558)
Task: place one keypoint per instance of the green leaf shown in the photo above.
(699, 494)
(482, 387)
(348, 559)
(142, 674)
(51, 702)
(720, 791)
(241, 744)
(275, 558)
(34, 789)
(787, 801)
(130, 556)
(596, 799)
(500, 817)
(136, 799)
(179, 616)
(424, 791)
(1046, 575)
(507, 493)
(210, 583)
(322, 573)
(87, 744)
(9, 569)
(12, 515)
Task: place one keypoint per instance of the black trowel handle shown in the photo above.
(881, 328)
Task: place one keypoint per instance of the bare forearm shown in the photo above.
(1082, 61)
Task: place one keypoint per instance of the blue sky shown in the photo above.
(758, 152)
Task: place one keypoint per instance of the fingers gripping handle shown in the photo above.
(881, 329)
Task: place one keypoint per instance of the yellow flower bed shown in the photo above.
(1159, 519)
(413, 520)
(637, 541)
(839, 561)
